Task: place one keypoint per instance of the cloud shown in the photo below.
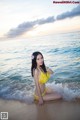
(48, 20)
(70, 14)
(24, 27)
(27, 26)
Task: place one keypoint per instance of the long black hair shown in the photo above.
(34, 64)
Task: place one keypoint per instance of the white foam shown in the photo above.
(64, 91)
(27, 96)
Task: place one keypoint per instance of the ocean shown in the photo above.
(61, 53)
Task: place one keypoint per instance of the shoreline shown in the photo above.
(51, 110)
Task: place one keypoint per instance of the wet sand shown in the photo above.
(53, 110)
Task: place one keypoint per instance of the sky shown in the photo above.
(28, 18)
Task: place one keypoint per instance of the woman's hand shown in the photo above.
(40, 101)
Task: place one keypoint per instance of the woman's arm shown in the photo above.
(37, 86)
(49, 70)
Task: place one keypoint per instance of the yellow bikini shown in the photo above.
(43, 78)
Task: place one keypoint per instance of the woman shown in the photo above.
(41, 74)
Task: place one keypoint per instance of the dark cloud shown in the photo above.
(22, 28)
(26, 26)
(48, 20)
(70, 14)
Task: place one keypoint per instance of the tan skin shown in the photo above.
(50, 94)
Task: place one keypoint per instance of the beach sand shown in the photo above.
(52, 110)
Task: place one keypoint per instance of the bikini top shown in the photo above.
(43, 78)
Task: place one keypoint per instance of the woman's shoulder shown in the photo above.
(35, 71)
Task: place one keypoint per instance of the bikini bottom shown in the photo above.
(36, 97)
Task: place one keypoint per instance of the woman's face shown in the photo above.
(39, 60)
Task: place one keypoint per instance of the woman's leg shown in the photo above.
(51, 95)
